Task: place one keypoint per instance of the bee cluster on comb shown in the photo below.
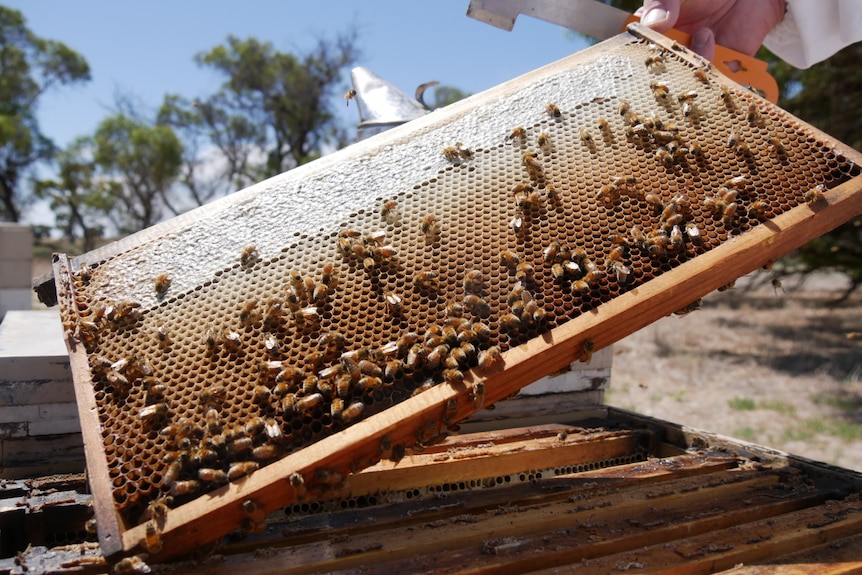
(514, 234)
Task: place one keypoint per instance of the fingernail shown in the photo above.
(654, 16)
(699, 40)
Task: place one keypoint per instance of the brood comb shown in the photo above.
(258, 350)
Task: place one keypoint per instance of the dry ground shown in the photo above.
(778, 369)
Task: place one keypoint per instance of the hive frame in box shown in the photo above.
(204, 519)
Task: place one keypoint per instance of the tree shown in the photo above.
(138, 163)
(78, 199)
(29, 66)
(273, 112)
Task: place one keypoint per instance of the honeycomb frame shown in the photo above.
(616, 186)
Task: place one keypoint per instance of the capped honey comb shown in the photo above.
(220, 342)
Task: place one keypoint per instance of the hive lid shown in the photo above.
(334, 315)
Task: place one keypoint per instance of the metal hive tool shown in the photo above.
(257, 350)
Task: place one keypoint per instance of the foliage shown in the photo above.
(138, 164)
(811, 94)
(273, 112)
(29, 66)
(77, 198)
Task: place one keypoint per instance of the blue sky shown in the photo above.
(146, 48)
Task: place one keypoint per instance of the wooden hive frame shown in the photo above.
(319, 468)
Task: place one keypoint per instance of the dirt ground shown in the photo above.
(781, 368)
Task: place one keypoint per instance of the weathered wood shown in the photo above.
(110, 530)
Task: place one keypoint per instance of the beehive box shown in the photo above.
(261, 349)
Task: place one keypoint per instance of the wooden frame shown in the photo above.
(319, 469)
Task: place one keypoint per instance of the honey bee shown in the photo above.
(249, 255)
(687, 109)
(693, 232)
(587, 349)
(306, 314)
(239, 446)
(151, 413)
(424, 279)
(523, 272)
(728, 216)
(815, 195)
(510, 259)
(553, 111)
(415, 357)
(308, 403)
(210, 475)
(352, 412)
(510, 322)
(349, 95)
(608, 193)
(451, 153)
(266, 452)
(518, 133)
(246, 314)
(660, 90)
(516, 223)
(623, 273)
(152, 539)
(241, 469)
(758, 209)
(387, 210)
(776, 285)
(478, 393)
(604, 126)
(465, 152)
(665, 157)
(162, 283)
(436, 356)
(394, 303)
(544, 142)
(654, 61)
(453, 376)
(676, 239)
(558, 271)
(482, 330)
(693, 306)
(179, 488)
(473, 282)
(776, 146)
(487, 358)
(753, 115)
(701, 75)
(623, 110)
(393, 369)
(533, 164)
(732, 140)
(744, 149)
(288, 403)
(369, 383)
(477, 305)
(430, 227)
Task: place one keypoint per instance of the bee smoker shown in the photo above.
(382, 105)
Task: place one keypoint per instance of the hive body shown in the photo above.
(320, 298)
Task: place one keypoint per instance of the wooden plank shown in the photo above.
(110, 530)
(721, 550)
(580, 517)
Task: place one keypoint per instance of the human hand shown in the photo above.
(737, 24)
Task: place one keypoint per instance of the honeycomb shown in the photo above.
(209, 362)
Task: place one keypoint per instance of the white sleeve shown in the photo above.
(813, 30)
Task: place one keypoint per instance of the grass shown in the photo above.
(748, 404)
(742, 404)
(745, 433)
(834, 401)
(781, 407)
(810, 428)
